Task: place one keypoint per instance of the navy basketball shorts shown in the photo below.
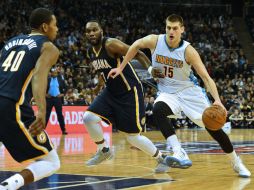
(126, 111)
(15, 120)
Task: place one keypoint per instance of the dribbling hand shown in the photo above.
(220, 104)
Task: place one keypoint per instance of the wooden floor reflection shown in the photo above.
(132, 169)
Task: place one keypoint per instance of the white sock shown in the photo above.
(159, 155)
(92, 123)
(233, 156)
(45, 166)
(102, 145)
(15, 182)
(174, 143)
(143, 143)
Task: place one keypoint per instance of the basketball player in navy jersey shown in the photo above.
(24, 66)
(121, 101)
(179, 91)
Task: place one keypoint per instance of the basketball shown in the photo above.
(214, 117)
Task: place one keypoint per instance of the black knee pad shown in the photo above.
(161, 108)
(161, 111)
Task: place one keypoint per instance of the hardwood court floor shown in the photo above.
(132, 169)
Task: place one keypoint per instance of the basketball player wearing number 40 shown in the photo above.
(179, 91)
(25, 62)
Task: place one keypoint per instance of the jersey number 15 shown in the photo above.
(13, 61)
(168, 71)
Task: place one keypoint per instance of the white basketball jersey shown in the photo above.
(178, 74)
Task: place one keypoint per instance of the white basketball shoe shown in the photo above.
(180, 159)
(240, 168)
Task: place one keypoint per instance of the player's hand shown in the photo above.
(220, 104)
(157, 73)
(38, 125)
(113, 73)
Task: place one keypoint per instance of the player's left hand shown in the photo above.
(220, 104)
(38, 125)
(113, 73)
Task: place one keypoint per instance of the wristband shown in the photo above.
(150, 70)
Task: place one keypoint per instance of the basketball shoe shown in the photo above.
(162, 166)
(180, 159)
(100, 156)
(239, 168)
(4, 186)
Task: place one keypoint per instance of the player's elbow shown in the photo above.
(137, 45)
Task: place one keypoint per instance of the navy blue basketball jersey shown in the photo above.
(17, 61)
(103, 63)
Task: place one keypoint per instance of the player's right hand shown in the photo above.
(113, 73)
(217, 102)
(157, 73)
(38, 125)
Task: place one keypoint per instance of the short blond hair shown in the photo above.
(175, 18)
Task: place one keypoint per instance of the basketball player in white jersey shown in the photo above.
(179, 91)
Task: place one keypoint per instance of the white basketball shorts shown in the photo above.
(192, 101)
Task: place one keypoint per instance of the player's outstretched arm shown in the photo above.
(146, 42)
(48, 57)
(193, 58)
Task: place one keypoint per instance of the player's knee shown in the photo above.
(132, 138)
(90, 117)
(53, 160)
(45, 166)
(161, 109)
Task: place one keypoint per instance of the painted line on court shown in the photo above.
(97, 182)
(150, 185)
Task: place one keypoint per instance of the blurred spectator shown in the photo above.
(81, 101)
(89, 100)
(250, 120)
(70, 101)
(69, 95)
(236, 119)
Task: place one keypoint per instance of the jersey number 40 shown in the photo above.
(13, 61)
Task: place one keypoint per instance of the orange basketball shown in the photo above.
(214, 117)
